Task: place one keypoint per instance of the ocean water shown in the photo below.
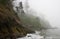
(32, 36)
(50, 34)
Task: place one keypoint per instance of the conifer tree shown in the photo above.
(10, 24)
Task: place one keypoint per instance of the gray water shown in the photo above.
(52, 34)
(33, 36)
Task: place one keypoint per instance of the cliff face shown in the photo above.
(10, 24)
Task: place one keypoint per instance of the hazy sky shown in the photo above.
(49, 8)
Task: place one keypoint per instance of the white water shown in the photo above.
(33, 36)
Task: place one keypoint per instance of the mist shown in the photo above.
(49, 8)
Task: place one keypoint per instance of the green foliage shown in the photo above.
(34, 22)
(30, 21)
(3, 1)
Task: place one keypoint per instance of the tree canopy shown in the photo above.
(10, 24)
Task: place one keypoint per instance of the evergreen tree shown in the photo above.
(10, 24)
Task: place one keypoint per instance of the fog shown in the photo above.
(49, 8)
